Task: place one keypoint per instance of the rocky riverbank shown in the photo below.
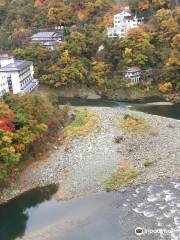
(175, 98)
(81, 165)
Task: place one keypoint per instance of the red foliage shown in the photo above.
(145, 6)
(20, 147)
(6, 123)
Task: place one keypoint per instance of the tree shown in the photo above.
(138, 5)
(100, 72)
(6, 118)
(172, 66)
(138, 51)
(37, 107)
(165, 26)
(24, 121)
(75, 44)
(41, 57)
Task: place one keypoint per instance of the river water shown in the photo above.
(36, 215)
(102, 216)
(166, 110)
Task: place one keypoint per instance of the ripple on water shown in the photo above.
(153, 197)
(177, 221)
(169, 197)
(176, 185)
(148, 214)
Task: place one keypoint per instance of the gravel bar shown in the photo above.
(81, 165)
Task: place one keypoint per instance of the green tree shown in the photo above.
(138, 51)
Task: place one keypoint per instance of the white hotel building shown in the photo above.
(123, 21)
(16, 76)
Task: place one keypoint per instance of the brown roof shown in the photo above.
(133, 69)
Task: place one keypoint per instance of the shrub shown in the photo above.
(83, 123)
(118, 139)
(123, 176)
(133, 123)
(149, 162)
(166, 87)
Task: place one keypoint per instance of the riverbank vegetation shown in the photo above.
(149, 162)
(27, 122)
(87, 57)
(123, 176)
(133, 123)
(83, 123)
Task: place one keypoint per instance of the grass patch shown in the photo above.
(133, 123)
(83, 123)
(123, 176)
(149, 163)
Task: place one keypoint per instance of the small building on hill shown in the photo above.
(133, 75)
(16, 76)
(48, 39)
(123, 21)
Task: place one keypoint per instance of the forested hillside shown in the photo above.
(77, 60)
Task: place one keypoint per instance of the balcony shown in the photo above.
(30, 87)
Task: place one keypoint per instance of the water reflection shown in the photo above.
(172, 111)
(14, 214)
(89, 102)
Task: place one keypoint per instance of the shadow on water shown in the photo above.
(76, 101)
(171, 111)
(14, 214)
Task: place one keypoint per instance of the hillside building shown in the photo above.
(47, 39)
(123, 21)
(133, 75)
(16, 76)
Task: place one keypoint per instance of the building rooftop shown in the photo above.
(16, 66)
(126, 10)
(133, 69)
(44, 34)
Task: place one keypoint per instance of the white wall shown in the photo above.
(3, 84)
(15, 82)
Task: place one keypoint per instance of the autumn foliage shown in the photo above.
(24, 120)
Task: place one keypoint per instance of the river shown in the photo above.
(36, 215)
(102, 216)
(166, 110)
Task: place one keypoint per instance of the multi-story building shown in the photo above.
(16, 76)
(47, 39)
(133, 74)
(5, 59)
(122, 23)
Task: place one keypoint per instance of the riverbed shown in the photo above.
(79, 168)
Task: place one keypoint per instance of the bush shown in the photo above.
(83, 123)
(123, 176)
(166, 87)
(118, 139)
(149, 163)
(133, 123)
